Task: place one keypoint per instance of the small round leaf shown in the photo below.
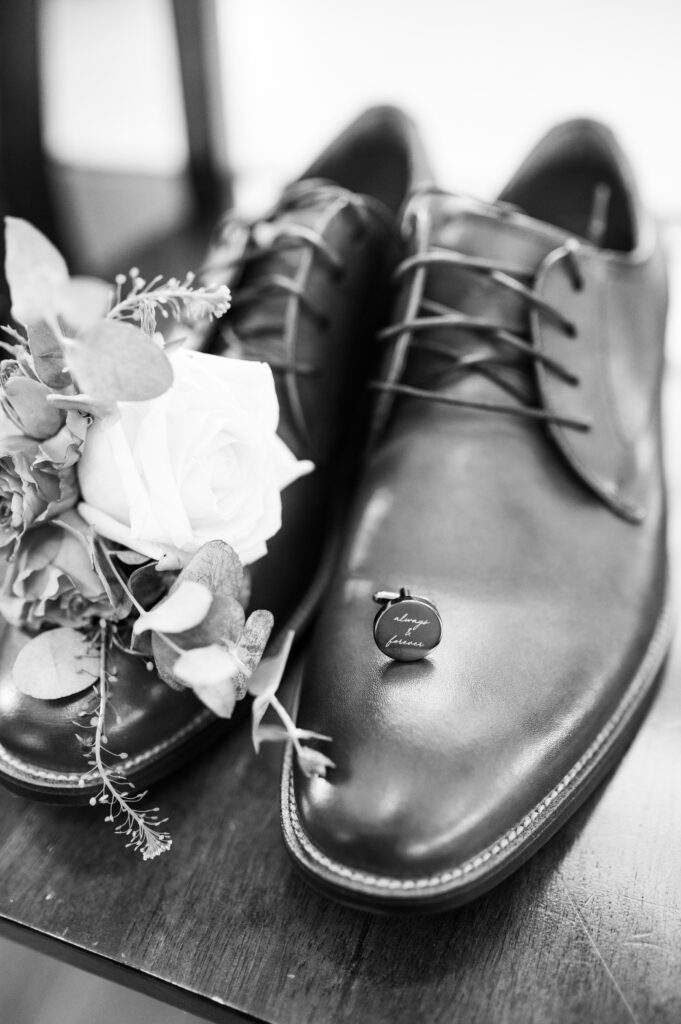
(117, 362)
(55, 664)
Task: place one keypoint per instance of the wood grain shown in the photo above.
(588, 930)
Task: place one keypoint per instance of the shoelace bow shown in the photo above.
(269, 236)
(436, 316)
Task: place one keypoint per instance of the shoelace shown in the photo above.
(265, 238)
(432, 315)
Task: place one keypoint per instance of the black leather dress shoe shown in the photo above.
(309, 287)
(515, 482)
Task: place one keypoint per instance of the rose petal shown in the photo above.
(107, 526)
(199, 463)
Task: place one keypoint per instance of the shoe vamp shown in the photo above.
(321, 414)
(479, 231)
(144, 714)
(328, 333)
(548, 603)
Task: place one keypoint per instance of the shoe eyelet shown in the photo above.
(571, 330)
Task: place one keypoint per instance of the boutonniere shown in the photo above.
(137, 479)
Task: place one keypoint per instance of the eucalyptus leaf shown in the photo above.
(217, 567)
(164, 657)
(36, 272)
(266, 678)
(55, 664)
(48, 357)
(27, 399)
(85, 301)
(209, 666)
(101, 563)
(253, 640)
(184, 607)
(223, 624)
(220, 700)
(142, 645)
(210, 671)
(117, 362)
(148, 585)
(264, 683)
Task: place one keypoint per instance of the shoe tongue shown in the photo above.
(514, 243)
(497, 231)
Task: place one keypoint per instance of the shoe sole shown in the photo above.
(74, 788)
(465, 881)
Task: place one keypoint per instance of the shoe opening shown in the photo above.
(578, 180)
(373, 157)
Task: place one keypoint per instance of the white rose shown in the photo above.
(201, 462)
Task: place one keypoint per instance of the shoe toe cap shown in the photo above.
(44, 743)
(440, 761)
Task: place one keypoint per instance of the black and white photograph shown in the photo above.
(340, 512)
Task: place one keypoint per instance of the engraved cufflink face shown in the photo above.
(406, 627)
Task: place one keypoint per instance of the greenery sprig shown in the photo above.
(143, 829)
(145, 300)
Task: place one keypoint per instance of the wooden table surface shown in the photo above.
(588, 930)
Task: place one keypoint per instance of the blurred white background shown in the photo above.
(484, 78)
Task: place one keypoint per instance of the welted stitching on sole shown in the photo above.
(131, 763)
(647, 671)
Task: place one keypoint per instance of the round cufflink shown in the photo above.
(406, 627)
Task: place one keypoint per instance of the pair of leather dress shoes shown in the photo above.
(506, 467)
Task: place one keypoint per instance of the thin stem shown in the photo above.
(103, 647)
(160, 296)
(146, 837)
(123, 582)
(171, 643)
(143, 611)
(287, 722)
